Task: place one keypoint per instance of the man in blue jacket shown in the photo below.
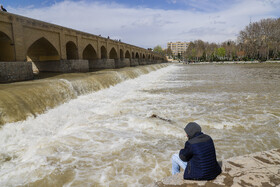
(198, 158)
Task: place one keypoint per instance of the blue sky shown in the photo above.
(147, 23)
(199, 5)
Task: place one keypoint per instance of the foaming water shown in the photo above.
(108, 137)
(26, 99)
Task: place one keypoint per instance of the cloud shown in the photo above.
(146, 27)
(171, 1)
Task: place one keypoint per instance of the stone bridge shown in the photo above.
(31, 45)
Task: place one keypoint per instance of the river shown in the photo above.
(96, 129)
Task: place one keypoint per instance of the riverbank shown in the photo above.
(257, 169)
(234, 62)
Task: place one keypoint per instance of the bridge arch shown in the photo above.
(113, 54)
(71, 51)
(137, 55)
(121, 54)
(103, 52)
(42, 50)
(127, 54)
(7, 49)
(89, 53)
(133, 56)
(144, 56)
(31, 38)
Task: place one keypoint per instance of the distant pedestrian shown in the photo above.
(3, 9)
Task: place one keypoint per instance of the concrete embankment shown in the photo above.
(257, 169)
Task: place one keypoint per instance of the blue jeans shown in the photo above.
(177, 163)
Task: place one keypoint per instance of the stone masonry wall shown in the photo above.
(120, 63)
(15, 71)
(102, 64)
(63, 66)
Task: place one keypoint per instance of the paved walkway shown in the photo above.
(257, 169)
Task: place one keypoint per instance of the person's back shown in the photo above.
(203, 164)
(198, 157)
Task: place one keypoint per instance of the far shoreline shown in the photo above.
(231, 62)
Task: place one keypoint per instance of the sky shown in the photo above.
(147, 23)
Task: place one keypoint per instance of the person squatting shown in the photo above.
(198, 158)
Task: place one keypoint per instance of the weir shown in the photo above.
(53, 48)
(26, 99)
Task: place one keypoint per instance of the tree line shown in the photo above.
(258, 41)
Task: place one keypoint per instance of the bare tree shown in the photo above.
(259, 41)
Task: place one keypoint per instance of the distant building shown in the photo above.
(178, 47)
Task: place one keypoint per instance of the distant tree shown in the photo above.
(179, 56)
(190, 52)
(200, 49)
(231, 48)
(158, 49)
(169, 51)
(240, 55)
(261, 40)
(221, 52)
(210, 51)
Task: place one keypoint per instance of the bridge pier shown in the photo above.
(102, 64)
(134, 62)
(157, 61)
(15, 71)
(120, 63)
(142, 62)
(63, 66)
(148, 62)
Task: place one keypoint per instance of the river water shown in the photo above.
(105, 136)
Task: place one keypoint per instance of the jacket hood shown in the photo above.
(191, 129)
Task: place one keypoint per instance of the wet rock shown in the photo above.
(161, 118)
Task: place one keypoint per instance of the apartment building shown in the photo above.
(178, 47)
